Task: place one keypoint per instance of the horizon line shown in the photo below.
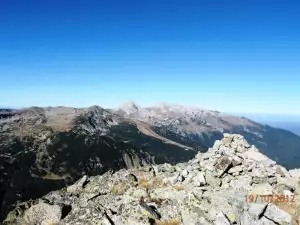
(237, 113)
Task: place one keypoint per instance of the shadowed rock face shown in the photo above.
(232, 183)
(44, 149)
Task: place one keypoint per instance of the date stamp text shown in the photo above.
(270, 198)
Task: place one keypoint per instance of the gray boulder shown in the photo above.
(277, 215)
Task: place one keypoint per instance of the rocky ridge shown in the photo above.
(213, 188)
(201, 126)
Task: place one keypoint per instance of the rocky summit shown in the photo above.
(45, 149)
(231, 183)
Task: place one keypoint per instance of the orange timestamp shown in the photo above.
(270, 198)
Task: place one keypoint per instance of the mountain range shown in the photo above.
(202, 127)
(43, 149)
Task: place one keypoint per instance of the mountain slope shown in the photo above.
(202, 127)
(232, 183)
(42, 149)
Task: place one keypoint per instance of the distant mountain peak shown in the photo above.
(130, 107)
(176, 107)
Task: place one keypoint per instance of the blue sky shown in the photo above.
(232, 56)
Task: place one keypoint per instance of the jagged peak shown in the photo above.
(130, 107)
(174, 107)
(95, 108)
(161, 105)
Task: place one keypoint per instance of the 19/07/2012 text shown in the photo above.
(270, 198)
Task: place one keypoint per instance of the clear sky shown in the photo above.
(232, 56)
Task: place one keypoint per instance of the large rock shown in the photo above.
(78, 185)
(262, 189)
(242, 183)
(212, 180)
(257, 210)
(199, 180)
(221, 219)
(43, 214)
(225, 141)
(236, 169)
(295, 173)
(277, 215)
(265, 221)
(259, 157)
(246, 218)
(222, 166)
